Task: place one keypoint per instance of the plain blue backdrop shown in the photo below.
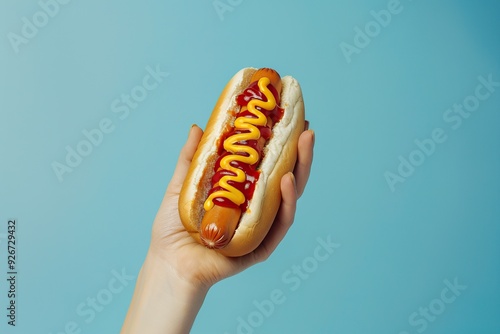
(414, 213)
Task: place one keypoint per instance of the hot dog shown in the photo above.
(231, 194)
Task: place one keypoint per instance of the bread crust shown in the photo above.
(279, 158)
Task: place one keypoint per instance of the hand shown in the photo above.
(200, 265)
(178, 272)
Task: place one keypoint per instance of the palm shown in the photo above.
(191, 260)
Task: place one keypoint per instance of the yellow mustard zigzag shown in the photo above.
(230, 145)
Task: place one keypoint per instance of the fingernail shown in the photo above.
(191, 129)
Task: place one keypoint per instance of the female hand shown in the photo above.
(178, 271)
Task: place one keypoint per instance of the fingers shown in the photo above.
(185, 158)
(304, 160)
(282, 223)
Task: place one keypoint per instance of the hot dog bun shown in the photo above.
(279, 158)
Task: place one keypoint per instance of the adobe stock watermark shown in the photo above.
(223, 6)
(454, 117)
(421, 318)
(49, 9)
(89, 309)
(121, 106)
(293, 279)
(364, 35)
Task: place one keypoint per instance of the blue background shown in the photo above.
(398, 245)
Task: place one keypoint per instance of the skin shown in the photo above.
(178, 272)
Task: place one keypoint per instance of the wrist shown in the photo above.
(163, 302)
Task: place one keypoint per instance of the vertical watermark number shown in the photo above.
(12, 272)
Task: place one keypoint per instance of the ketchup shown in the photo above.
(251, 171)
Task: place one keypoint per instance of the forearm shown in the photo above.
(162, 302)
